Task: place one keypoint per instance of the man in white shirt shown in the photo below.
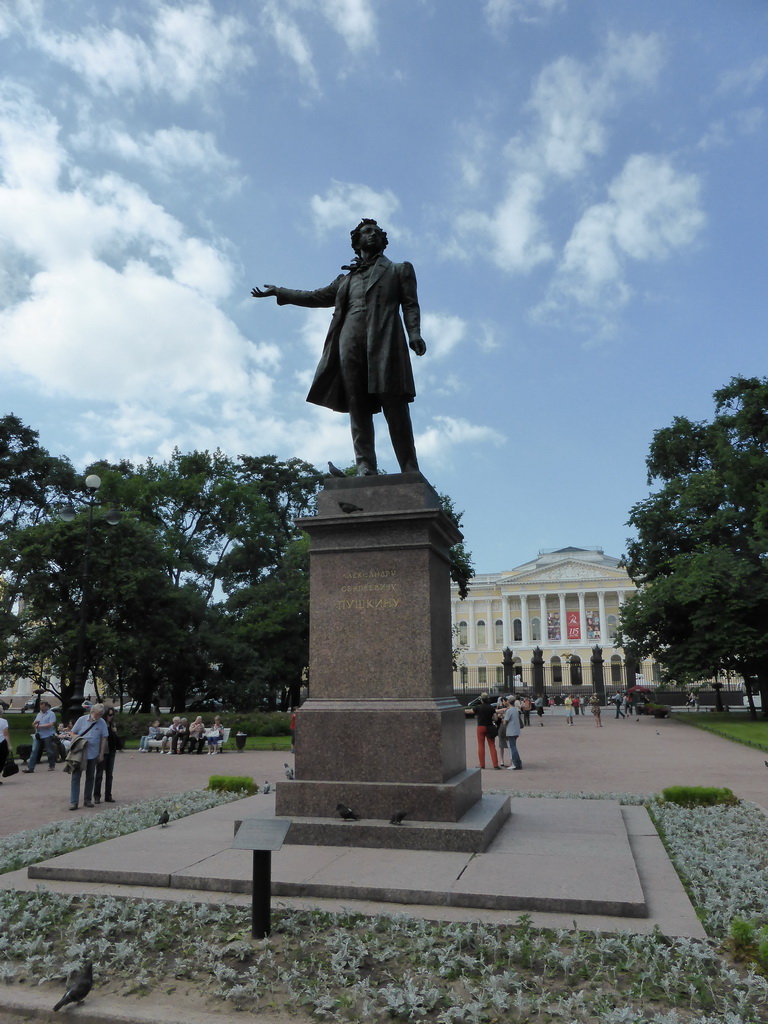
(45, 728)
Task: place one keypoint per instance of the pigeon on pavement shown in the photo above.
(289, 773)
(79, 986)
(164, 819)
(267, 787)
(347, 813)
(397, 817)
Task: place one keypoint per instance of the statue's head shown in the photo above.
(368, 222)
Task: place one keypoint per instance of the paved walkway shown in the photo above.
(626, 756)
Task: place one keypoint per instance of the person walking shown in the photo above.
(44, 725)
(5, 744)
(618, 700)
(105, 768)
(568, 710)
(486, 730)
(501, 725)
(594, 705)
(539, 705)
(527, 710)
(93, 729)
(514, 725)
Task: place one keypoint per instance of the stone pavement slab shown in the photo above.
(528, 866)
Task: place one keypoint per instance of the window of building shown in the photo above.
(482, 676)
(557, 670)
(481, 637)
(615, 668)
(499, 675)
(463, 633)
(574, 667)
(517, 631)
(535, 629)
(463, 675)
(612, 626)
(498, 632)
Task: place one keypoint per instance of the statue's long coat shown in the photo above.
(391, 287)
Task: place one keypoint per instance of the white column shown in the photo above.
(601, 613)
(526, 638)
(563, 636)
(505, 618)
(543, 615)
(582, 618)
(471, 626)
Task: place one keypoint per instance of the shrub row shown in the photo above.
(254, 723)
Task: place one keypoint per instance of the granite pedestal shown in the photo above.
(381, 731)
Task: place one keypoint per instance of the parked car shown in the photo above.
(131, 707)
(206, 704)
(29, 704)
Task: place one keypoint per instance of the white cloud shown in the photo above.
(652, 210)
(745, 80)
(354, 20)
(723, 132)
(164, 152)
(345, 204)
(290, 39)
(187, 51)
(570, 102)
(439, 441)
(500, 12)
(513, 233)
(111, 299)
(442, 332)
(315, 329)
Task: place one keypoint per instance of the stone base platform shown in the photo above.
(472, 834)
(569, 856)
(448, 802)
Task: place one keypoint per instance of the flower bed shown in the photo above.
(348, 967)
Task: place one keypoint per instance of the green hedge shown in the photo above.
(232, 784)
(254, 723)
(698, 796)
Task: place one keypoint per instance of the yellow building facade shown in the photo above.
(558, 608)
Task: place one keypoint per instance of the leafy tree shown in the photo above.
(31, 480)
(201, 537)
(462, 568)
(702, 543)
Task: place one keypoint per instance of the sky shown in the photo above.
(579, 184)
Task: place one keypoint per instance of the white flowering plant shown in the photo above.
(350, 967)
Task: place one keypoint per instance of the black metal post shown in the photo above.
(260, 894)
(77, 695)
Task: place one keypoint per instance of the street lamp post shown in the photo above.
(67, 514)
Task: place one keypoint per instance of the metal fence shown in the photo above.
(471, 681)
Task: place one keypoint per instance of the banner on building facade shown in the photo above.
(573, 625)
(553, 625)
(593, 624)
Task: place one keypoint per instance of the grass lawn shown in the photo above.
(738, 727)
